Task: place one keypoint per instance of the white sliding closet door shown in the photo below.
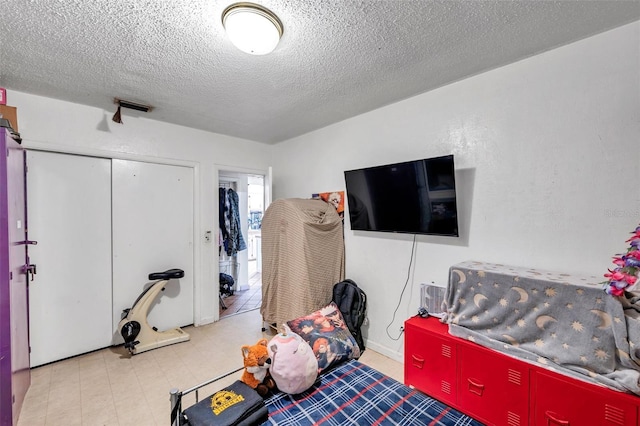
(152, 232)
(69, 214)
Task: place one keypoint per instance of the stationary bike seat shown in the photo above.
(166, 275)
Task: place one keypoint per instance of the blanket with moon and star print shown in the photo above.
(562, 322)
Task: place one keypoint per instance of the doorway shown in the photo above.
(240, 273)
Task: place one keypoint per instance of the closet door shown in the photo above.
(69, 214)
(152, 232)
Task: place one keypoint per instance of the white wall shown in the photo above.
(61, 126)
(547, 153)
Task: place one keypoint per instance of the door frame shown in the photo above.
(91, 152)
(219, 169)
(15, 375)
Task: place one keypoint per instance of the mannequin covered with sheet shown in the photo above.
(302, 257)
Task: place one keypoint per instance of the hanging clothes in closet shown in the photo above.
(229, 221)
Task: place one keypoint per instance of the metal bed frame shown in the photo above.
(176, 397)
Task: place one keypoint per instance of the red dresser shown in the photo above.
(497, 389)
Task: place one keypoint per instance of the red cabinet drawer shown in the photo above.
(561, 401)
(494, 387)
(500, 390)
(430, 363)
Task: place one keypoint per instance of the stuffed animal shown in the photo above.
(256, 367)
(294, 366)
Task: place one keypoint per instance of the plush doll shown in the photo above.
(256, 367)
(294, 366)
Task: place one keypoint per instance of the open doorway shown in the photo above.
(240, 272)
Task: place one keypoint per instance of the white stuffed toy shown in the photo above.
(294, 366)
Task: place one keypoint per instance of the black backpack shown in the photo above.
(352, 302)
(226, 284)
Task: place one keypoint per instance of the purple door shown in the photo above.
(14, 323)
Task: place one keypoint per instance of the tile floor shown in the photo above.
(245, 300)
(109, 387)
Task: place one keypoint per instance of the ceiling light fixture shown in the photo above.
(252, 28)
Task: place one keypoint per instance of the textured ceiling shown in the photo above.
(337, 58)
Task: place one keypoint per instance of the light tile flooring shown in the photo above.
(109, 387)
(245, 300)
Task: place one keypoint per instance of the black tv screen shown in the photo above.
(416, 197)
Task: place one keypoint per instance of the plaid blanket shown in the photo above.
(355, 394)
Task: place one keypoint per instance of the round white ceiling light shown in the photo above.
(252, 28)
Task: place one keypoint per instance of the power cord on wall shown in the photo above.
(413, 247)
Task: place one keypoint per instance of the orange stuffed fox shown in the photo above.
(256, 367)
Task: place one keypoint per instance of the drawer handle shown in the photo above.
(475, 387)
(552, 419)
(417, 362)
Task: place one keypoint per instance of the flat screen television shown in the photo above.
(415, 197)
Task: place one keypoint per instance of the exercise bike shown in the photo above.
(138, 335)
